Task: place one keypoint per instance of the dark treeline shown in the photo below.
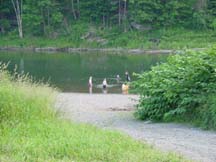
(49, 16)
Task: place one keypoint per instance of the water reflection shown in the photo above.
(90, 90)
(104, 90)
(22, 66)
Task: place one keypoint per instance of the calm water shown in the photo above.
(70, 72)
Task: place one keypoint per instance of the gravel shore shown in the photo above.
(115, 111)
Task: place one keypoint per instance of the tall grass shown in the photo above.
(31, 131)
(21, 100)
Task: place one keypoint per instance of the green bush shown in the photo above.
(206, 117)
(177, 88)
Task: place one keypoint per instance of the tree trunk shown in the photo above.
(48, 17)
(44, 22)
(104, 21)
(125, 15)
(2, 30)
(119, 13)
(17, 5)
(48, 22)
(78, 8)
(73, 10)
(201, 5)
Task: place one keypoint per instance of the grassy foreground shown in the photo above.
(31, 131)
(112, 38)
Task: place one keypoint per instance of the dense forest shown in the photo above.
(47, 17)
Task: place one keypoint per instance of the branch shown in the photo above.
(15, 9)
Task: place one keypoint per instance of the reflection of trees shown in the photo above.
(106, 65)
(21, 66)
(94, 62)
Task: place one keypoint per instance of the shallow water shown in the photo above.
(70, 72)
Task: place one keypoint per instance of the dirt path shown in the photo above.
(115, 112)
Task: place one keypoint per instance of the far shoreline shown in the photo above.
(86, 50)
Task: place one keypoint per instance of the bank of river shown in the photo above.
(111, 50)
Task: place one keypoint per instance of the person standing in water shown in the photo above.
(125, 86)
(127, 76)
(90, 84)
(104, 83)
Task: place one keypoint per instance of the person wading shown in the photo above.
(127, 76)
(104, 83)
(90, 84)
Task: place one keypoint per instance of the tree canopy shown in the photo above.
(47, 16)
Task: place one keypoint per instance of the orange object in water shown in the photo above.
(125, 87)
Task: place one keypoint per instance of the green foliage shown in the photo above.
(5, 11)
(213, 24)
(31, 131)
(206, 114)
(178, 87)
(41, 17)
(46, 17)
(72, 37)
(162, 13)
(5, 25)
(199, 20)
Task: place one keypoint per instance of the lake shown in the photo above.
(70, 71)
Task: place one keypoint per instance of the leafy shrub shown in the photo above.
(207, 114)
(199, 20)
(178, 87)
(213, 24)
